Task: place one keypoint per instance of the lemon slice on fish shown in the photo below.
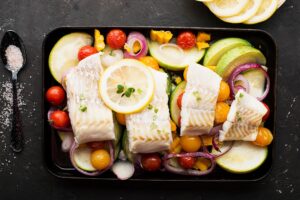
(127, 86)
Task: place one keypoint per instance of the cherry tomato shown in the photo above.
(150, 62)
(60, 119)
(116, 39)
(186, 162)
(179, 100)
(86, 51)
(190, 143)
(151, 162)
(224, 91)
(100, 159)
(55, 95)
(222, 110)
(266, 116)
(121, 118)
(264, 137)
(96, 145)
(186, 40)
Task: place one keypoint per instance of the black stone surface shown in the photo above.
(24, 176)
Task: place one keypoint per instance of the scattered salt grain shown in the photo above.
(14, 58)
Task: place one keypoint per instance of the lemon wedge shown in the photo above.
(265, 11)
(226, 8)
(127, 86)
(249, 11)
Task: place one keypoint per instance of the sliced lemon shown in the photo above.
(127, 86)
(265, 11)
(280, 3)
(227, 8)
(248, 12)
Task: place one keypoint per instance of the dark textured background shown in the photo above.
(24, 176)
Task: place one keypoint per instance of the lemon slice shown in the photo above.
(265, 11)
(127, 86)
(248, 12)
(226, 8)
(280, 3)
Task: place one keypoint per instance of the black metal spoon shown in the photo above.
(12, 38)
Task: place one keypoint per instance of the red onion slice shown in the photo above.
(215, 129)
(140, 38)
(244, 83)
(246, 67)
(64, 129)
(224, 152)
(95, 173)
(189, 172)
(67, 142)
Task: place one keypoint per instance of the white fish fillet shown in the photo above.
(91, 120)
(244, 117)
(150, 130)
(199, 100)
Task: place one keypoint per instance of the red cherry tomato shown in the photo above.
(266, 116)
(151, 162)
(187, 162)
(179, 101)
(86, 51)
(55, 95)
(186, 40)
(60, 119)
(116, 38)
(96, 145)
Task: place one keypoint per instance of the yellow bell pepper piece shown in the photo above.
(202, 164)
(173, 126)
(175, 143)
(202, 45)
(203, 37)
(213, 68)
(161, 36)
(99, 40)
(207, 140)
(178, 80)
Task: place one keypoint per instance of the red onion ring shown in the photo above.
(214, 142)
(246, 67)
(226, 151)
(245, 83)
(215, 130)
(95, 173)
(140, 38)
(64, 129)
(189, 172)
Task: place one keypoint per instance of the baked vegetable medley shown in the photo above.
(159, 101)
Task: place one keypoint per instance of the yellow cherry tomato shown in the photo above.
(150, 62)
(190, 143)
(222, 110)
(185, 73)
(224, 91)
(121, 118)
(264, 137)
(100, 159)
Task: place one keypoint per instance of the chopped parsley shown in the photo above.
(139, 91)
(81, 97)
(156, 110)
(124, 91)
(239, 118)
(111, 53)
(120, 89)
(241, 95)
(83, 108)
(197, 95)
(150, 107)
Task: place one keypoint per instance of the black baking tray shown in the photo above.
(58, 163)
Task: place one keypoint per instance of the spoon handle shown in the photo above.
(17, 139)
